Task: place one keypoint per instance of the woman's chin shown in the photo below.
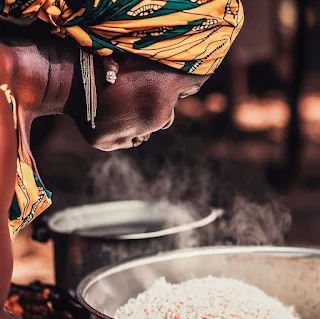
(119, 144)
(109, 147)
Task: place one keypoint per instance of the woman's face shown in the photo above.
(140, 102)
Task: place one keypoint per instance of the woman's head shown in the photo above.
(169, 49)
(140, 102)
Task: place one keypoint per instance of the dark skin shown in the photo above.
(141, 102)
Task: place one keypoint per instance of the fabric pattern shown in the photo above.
(191, 35)
(31, 197)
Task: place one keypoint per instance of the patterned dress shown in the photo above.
(31, 197)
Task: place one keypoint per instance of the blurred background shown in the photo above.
(248, 142)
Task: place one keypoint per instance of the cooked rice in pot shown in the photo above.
(205, 298)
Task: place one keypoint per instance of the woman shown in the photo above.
(137, 59)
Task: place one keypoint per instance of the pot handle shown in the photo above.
(41, 232)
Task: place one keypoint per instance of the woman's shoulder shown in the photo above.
(7, 64)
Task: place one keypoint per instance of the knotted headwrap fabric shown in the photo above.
(191, 35)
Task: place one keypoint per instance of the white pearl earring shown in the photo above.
(111, 77)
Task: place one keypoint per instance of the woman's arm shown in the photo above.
(7, 179)
(8, 149)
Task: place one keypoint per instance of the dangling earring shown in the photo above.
(89, 83)
(111, 77)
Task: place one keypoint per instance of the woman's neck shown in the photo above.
(45, 71)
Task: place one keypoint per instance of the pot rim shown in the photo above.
(214, 214)
(89, 280)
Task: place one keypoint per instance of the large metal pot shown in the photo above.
(89, 237)
(290, 274)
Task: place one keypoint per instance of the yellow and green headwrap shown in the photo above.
(191, 35)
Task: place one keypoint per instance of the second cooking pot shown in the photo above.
(93, 236)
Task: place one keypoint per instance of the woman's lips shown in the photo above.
(146, 137)
(139, 140)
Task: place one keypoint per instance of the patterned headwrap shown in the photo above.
(191, 35)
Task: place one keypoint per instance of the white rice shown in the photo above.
(205, 298)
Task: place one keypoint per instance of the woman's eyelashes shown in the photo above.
(183, 96)
(180, 97)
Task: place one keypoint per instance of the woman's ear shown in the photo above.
(111, 69)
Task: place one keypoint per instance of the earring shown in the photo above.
(111, 77)
(89, 83)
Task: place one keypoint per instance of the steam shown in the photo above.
(169, 171)
(188, 184)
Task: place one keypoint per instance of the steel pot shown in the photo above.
(89, 237)
(290, 274)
